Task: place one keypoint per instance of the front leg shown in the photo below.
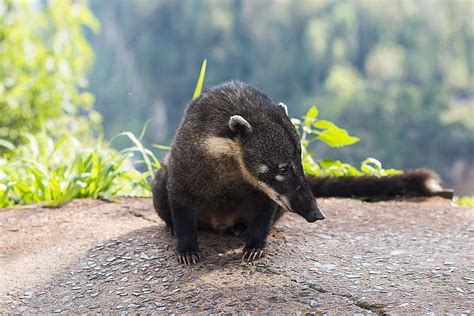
(259, 226)
(185, 230)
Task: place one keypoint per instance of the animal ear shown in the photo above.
(283, 105)
(239, 125)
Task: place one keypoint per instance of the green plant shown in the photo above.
(44, 59)
(311, 129)
(200, 82)
(464, 200)
(43, 169)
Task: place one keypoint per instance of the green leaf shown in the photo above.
(372, 163)
(310, 116)
(197, 90)
(7, 144)
(332, 135)
(391, 172)
(163, 147)
(464, 201)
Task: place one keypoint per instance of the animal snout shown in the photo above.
(316, 215)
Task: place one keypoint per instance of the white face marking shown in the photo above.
(262, 168)
(219, 146)
(279, 177)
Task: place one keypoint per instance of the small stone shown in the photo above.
(124, 279)
(397, 252)
(144, 256)
(313, 303)
(22, 309)
(149, 278)
(132, 305)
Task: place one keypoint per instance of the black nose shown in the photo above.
(317, 215)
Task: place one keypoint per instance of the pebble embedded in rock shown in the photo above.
(314, 303)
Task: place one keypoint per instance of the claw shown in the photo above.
(188, 258)
(253, 254)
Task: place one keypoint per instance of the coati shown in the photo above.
(235, 164)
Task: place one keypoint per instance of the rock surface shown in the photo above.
(90, 256)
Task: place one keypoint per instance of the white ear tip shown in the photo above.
(283, 105)
(237, 120)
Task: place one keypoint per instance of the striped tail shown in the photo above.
(412, 183)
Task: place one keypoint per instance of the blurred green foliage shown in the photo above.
(399, 74)
(48, 149)
(464, 201)
(390, 71)
(312, 129)
(54, 171)
(44, 59)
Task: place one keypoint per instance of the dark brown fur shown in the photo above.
(412, 183)
(235, 163)
(213, 176)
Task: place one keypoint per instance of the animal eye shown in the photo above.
(283, 170)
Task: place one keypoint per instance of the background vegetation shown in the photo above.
(44, 60)
(50, 144)
(401, 78)
(398, 74)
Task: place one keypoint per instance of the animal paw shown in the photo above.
(251, 254)
(188, 257)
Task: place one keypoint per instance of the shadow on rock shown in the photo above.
(139, 272)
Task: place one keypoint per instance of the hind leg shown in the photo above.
(160, 197)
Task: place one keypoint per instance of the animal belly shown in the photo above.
(219, 220)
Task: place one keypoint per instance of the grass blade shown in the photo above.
(197, 91)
